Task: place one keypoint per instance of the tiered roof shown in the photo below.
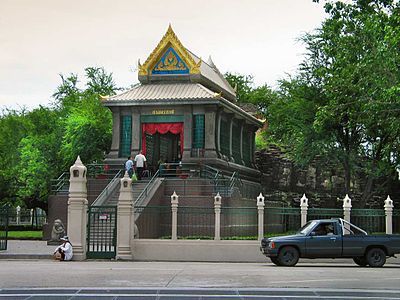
(173, 73)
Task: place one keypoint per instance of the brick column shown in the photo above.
(303, 209)
(174, 208)
(389, 215)
(77, 209)
(217, 210)
(125, 219)
(260, 208)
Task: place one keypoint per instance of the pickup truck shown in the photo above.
(331, 238)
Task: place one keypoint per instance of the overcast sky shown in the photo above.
(40, 39)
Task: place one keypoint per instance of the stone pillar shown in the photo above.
(136, 132)
(210, 134)
(174, 208)
(230, 122)
(218, 132)
(346, 210)
(303, 209)
(389, 215)
(18, 216)
(187, 133)
(253, 148)
(114, 152)
(217, 210)
(77, 209)
(260, 208)
(125, 219)
(241, 142)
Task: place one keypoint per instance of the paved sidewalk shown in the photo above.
(23, 249)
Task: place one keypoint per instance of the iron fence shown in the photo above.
(196, 222)
(396, 221)
(153, 222)
(3, 227)
(281, 219)
(27, 217)
(239, 222)
(316, 213)
(371, 220)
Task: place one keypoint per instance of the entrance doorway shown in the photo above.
(161, 148)
(162, 142)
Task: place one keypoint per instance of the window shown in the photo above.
(125, 136)
(324, 229)
(198, 132)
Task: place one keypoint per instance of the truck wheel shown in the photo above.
(361, 261)
(288, 256)
(376, 257)
(275, 260)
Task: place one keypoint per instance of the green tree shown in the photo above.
(344, 102)
(87, 124)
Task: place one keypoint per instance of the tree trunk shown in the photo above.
(347, 175)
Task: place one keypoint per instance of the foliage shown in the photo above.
(25, 235)
(343, 105)
(45, 141)
(247, 92)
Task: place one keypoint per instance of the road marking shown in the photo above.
(314, 280)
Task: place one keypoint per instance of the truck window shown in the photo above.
(324, 229)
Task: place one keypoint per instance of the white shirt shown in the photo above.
(140, 159)
(67, 249)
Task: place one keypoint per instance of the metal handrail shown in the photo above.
(146, 189)
(108, 189)
(59, 182)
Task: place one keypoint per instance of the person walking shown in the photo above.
(129, 166)
(140, 161)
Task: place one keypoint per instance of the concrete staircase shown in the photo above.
(137, 187)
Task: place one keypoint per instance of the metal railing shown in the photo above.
(58, 185)
(142, 196)
(108, 190)
(99, 171)
(4, 214)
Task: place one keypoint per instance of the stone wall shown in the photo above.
(323, 183)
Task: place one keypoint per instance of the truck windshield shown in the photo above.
(307, 228)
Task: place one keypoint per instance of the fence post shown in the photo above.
(174, 208)
(77, 209)
(303, 209)
(125, 219)
(18, 216)
(346, 211)
(389, 215)
(217, 210)
(260, 207)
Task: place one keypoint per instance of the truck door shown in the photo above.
(324, 240)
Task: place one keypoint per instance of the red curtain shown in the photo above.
(162, 128)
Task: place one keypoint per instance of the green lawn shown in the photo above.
(25, 235)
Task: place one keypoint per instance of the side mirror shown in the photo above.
(312, 233)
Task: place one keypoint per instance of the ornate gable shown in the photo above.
(169, 57)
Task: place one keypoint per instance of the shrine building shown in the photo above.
(183, 110)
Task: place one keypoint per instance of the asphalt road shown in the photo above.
(117, 274)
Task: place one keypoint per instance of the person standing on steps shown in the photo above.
(129, 166)
(140, 161)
